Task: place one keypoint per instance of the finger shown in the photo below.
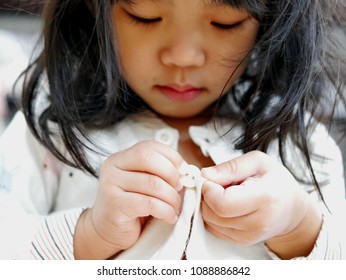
(240, 223)
(132, 206)
(150, 185)
(218, 233)
(235, 171)
(249, 222)
(234, 235)
(151, 157)
(234, 201)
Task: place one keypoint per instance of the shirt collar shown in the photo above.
(215, 138)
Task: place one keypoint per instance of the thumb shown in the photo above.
(235, 171)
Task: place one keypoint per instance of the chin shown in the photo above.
(182, 111)
(179, 115)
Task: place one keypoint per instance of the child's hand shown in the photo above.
(252, 199)
(136, 183)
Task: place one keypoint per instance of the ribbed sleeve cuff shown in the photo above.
(327, 246)
(53, 239)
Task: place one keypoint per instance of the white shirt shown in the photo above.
(41, 199)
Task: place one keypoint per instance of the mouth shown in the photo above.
(180, 92)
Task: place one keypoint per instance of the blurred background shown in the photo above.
(20, 26)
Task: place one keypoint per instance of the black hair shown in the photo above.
(84, 82)
(300, 64)
(294, 63)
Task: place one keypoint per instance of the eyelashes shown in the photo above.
(223, 26)
(142, 20)
(150, 21)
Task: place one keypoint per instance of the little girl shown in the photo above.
(177, 130)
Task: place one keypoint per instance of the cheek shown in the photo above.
(227, 70)
(137, 68)
(130, 60)
(135, 57)
(232, 59)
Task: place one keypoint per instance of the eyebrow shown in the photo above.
(170, 2)
(216, 3)
(207, 3)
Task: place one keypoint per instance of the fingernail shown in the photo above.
(208, 184)
(183, 168)
(209, 172)
(180, 186)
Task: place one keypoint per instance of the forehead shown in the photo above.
(205, 2)
(254, 7)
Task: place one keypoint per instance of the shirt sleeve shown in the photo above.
(328, 165)
(29, 179)
(53, 238)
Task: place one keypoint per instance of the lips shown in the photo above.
(180, 92)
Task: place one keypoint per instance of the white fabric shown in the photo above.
(34, 185)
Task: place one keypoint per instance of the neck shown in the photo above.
(182, 124)
(189, 151)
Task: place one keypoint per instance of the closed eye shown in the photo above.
(226, 26)
(142, 20)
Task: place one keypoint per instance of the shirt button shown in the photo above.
(190, 175)
(165, 136)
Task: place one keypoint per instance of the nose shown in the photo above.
(184, 49)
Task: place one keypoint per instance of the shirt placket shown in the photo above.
(192, 180)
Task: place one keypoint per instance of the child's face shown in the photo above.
(178, 55)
